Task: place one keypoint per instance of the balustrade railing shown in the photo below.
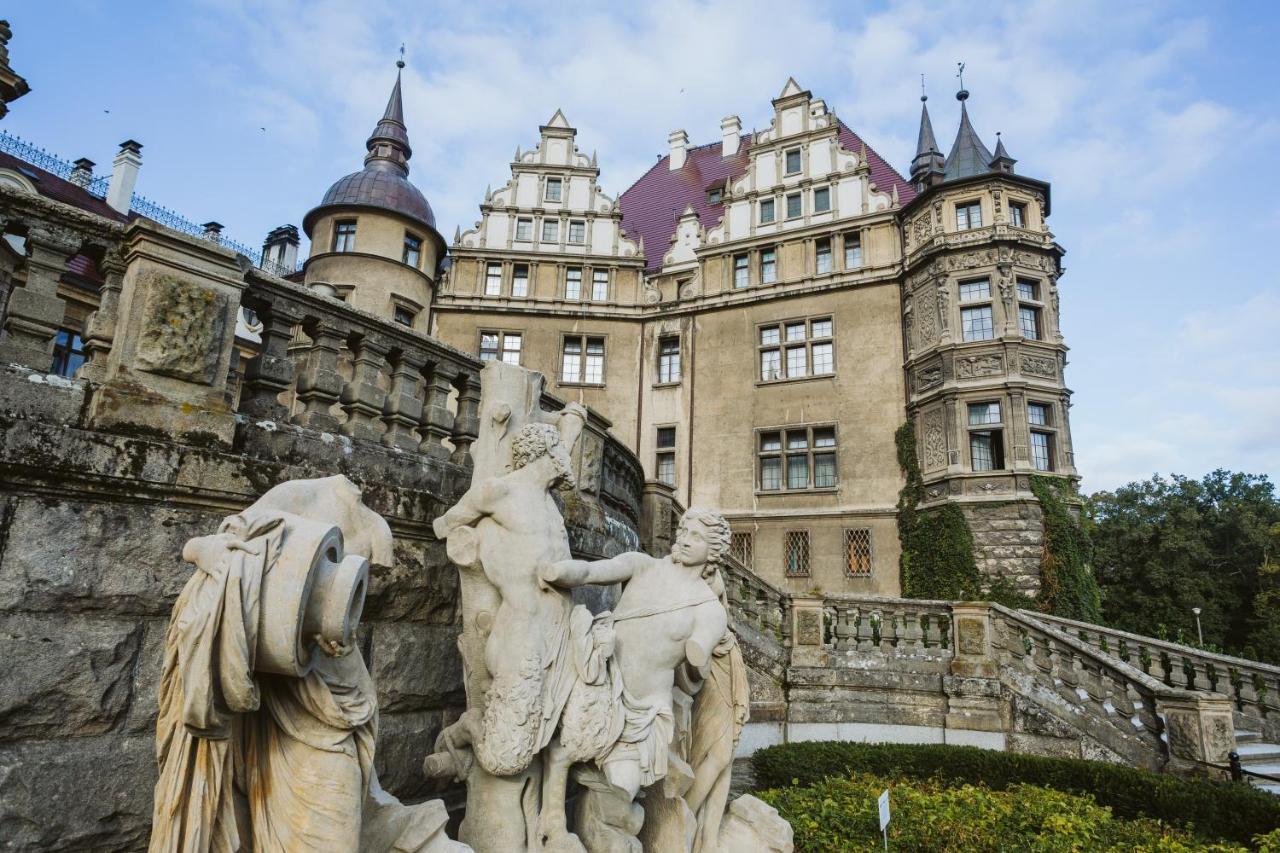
(1253, 687)
(401, 382)
(756, 603)
(903, 626)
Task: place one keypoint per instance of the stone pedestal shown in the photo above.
(808, 631)
(167, 369)
(1199, 730)
(973, 685)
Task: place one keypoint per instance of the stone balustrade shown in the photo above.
(888, 625)
(1252, 687)
(755, 603)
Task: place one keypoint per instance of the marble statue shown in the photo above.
(641, 705)
(268, 719)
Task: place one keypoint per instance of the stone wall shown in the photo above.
(1008, 541)
(92, 525)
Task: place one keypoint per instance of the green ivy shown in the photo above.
(1067, 585)
(937, 544)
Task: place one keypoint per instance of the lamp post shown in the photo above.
(1199, 633)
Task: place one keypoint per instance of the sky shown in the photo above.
(1158, 125)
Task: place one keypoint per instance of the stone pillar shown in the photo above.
(320, 384)
(403, 409)
(35, 310)
(167, 369)
(973, 685)
(808, 631)
(1198, 728)
(271, 373)
(437, 420)
(100, 327)
(362, 397)
(466, 426)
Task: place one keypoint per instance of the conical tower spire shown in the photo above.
(968, 155)
(1002, 162)
(928, 164)
(389, 143)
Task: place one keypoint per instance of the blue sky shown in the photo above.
(1158, 125)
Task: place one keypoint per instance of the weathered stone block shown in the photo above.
(183, 324)
(422, 586)
(122, 558)
(64, 676)
(403, 741)
(416, 667)
(91, 793)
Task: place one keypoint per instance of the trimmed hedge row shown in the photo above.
(1223, 810)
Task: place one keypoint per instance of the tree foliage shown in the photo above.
(1163, 546)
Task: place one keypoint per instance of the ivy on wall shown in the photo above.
(1067, 585)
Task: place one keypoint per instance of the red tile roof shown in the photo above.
(651, 206)
(51, 186)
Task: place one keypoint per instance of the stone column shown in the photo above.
(175, 330)
(320, 384)
(973, 684)
(403, 408)
(808, 631)
(35, 310)
(100, 328)
(362, 397)
(466, 426)
(1199, 728)
(271, 373)
(437, 420)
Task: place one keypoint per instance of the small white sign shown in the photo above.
(884, 810)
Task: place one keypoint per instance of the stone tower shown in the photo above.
(373, 236)
(984, 356)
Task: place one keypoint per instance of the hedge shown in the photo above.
(930, 815)
(1226, 810)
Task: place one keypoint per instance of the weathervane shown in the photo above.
(400, 61)
(960, 73)
(963, 94)
(923, 95)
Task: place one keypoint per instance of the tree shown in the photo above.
(1162, 547)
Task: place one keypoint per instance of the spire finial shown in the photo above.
(963, 94)
(923, 97)
(400, 61)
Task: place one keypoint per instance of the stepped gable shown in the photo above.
(651, 206)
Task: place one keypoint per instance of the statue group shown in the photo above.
(268, 719)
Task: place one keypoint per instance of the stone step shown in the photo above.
(1243, 737)
(1258, 751)
(1270, 768)
(1269, 787)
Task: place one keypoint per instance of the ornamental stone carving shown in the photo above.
(935, 442)
(928, 377)
(927, 323)
(944, 307)
(1040, 366)
(975, 366)
(969, 260)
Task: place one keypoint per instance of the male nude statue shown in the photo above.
(511, 526)
(668, 616)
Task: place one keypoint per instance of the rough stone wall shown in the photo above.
(1008, 541)
(92, 526)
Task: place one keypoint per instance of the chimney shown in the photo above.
(213, 231)
(730, 135)
(280, 250)
(82, 174)
(124, 176)
(679, 142)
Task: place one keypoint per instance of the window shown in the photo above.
(599, 285)
(852, 251)
(766, 211)
(796, 553)
(799, 457)
(573, 283)
(550, 230)
(404, 315)
(807, 345)
(504, 346)
(520, 280)
(768, 266)
(344, 235)
(715, 196)
(1042, 450)
(669, 359)
(795, 206)
(412, 250)
(493, 280)
(524, 228)
(1017, 214)
(822, 200)
(976, 323)
(666, 457)
(68, 353)
(973, 290)
(554, 186)
(741, 270)
(793, 161)
(822, 255)
(1029, 322)
(582, 360)
(857, 552)
(577, 231)
(968, 216)
(986, 446)
(1028, 291)
(1038, 414)
(742, 548)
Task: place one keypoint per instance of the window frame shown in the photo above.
(822, 247)
(798, 198)
(772, 208)
(771, 265)
(527, 221)
(784, 344)
(410, 237)
(68, 352)
(800, 536)
(554, 225)
(787, 171)
(742, 547)
(853, 242)
(546, 189)
(584, 341)
(665, 453)
(596, 273)
(528, 272)
(568, 272)
(501, 350)
(669, 365)
(969, 305)
(1050, 439)
(489, 279)
(396, 308)
(853, 537)
(784, 453)
(966, 208)
(993, 430)
(1020, 209)
(826, 191)
(344, 240)
(742, 264)
(581, 225)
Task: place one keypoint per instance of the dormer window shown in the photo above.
(554, 189)
(344, 235)
(793, 161)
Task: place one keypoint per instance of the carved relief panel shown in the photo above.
(934, 441)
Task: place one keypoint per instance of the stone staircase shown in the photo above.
(974, 673)
(1259, 756)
